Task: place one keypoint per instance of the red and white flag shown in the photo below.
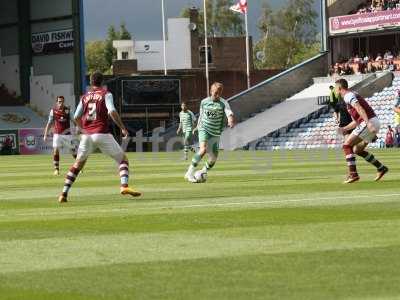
(240, 7)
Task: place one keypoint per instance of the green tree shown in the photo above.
(289, 35)
(100, 54)
(221, 21)
(124, 34)
(109, 52)
(95, 58)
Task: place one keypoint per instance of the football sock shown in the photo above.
(209, 165)
(70, 179)
(74, 152)
(196, 159)
(350, 159)
(124, 173)
(369, 157)
(191, 170)
(56, 161)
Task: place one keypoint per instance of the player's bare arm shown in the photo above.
(78, 122)
(336, 116)
(231, 121)
(397, 110)
(197, 125)
(117, 120)
(179, 128)
(348, 127)
(46, 131)
(361, 111)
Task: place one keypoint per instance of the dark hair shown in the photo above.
(60, 97)
(97, 78)
(342, 83)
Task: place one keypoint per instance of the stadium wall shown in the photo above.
(279, 87)
(9, 73)
(8, 12)
(52, 74)
(44, 92)
(9, 48)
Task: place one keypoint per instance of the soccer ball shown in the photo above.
(200, 176)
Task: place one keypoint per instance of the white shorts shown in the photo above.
(363, 132)
(105, 142)
(63, 141)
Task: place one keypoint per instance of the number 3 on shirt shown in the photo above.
(92, 114)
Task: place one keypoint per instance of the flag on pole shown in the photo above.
(206, 47)
(240, 7)
(164, 38)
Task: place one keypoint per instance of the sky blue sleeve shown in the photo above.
(78, 111)
(110, 103)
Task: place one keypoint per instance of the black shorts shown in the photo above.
(347, 132)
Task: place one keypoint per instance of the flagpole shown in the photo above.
(206, 47)
(247, 50)
(164, 38)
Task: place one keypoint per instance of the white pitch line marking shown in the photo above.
(274, 201)
(205, 205)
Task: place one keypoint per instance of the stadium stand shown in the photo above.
(319, 130)
(286, 113)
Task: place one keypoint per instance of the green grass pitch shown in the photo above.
(264, 226)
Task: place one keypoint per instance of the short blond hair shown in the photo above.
(217, 85)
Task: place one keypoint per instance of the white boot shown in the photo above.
(190, 173)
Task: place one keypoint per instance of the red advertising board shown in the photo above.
(364, 22)
(31, 142)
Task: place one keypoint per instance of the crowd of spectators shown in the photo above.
(377, 5)
(361, 64)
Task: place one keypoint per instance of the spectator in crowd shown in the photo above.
(394, 4)
(335, 70)
(396, 109)
(388, 55)
(392, 67)
(365, 64)
(385, 65)
(397, 137)
(378, 5)
(347, 70)
(370, 67)
(389, 140)
(381, 143)
(356, 59)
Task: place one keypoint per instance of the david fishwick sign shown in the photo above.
(53, 42)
